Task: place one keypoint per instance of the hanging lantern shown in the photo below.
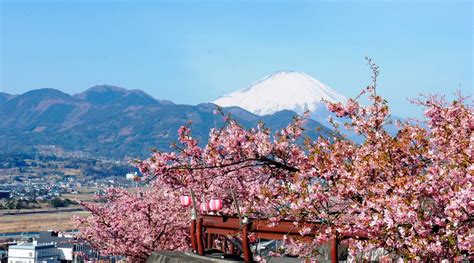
(204, 207)
(185, 200)
(215, 205)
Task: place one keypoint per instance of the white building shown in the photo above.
(54, 247)
(33, 253)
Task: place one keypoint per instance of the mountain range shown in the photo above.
(112, 122)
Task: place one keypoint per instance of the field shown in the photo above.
(46, 217)
(38, 222)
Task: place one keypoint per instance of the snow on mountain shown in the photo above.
(295, 91)
(284, 90)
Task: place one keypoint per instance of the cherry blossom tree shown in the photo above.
(409, 193)
(135, 224)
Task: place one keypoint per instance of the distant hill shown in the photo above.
(112, 122)
(4, 97)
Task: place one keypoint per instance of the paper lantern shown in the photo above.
(185, 200)
(204, 207)
(215, 205)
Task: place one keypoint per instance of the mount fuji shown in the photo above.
(285, 90)
(294, 91)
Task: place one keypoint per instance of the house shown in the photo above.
(55, 247)
(65, 244)
(33, 252)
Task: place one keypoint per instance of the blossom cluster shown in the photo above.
(135, 224)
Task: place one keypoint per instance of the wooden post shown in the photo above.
(246, 243)
(199, 237)
(231, 248)
(193, 235)
(194, 216)
(334, 256)
(224, 245)
(209, 241)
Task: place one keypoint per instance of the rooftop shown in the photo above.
(31, 245)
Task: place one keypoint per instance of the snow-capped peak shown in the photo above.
(283, 90)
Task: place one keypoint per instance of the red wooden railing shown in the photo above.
(206, 228)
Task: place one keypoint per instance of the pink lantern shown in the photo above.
(185, 200)
(215, 204)
(204, 207)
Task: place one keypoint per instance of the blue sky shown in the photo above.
(194, 51)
